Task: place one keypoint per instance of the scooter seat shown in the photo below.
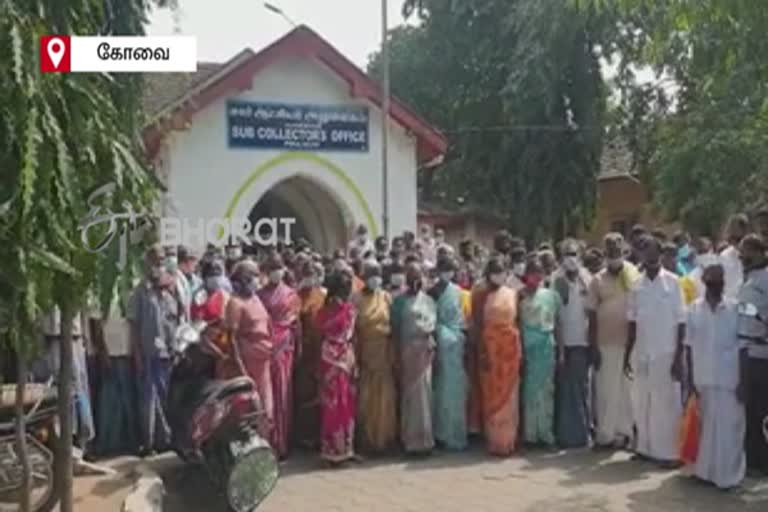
(221, 388)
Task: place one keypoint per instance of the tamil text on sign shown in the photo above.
(297, 127)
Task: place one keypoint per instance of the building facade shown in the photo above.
(293, 131)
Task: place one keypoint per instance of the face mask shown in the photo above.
(518, 269)
(684, 252)
(397, 280)
(307, 282)
(373, 282)
(320, 279)
(571, 263)
(171, 264)
(446, 277)
(276, 276)
(213, 283)
(234, 254)
(253, 286)
(498, 279)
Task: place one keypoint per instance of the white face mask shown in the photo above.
(446, 276)
(276, 276)
(307, 282)
(571, 263)
(373, 282)
(518, 269)
(397, 280)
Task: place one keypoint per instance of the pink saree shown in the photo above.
(284, 306)
(336, 323)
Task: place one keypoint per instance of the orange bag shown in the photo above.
(690, 431)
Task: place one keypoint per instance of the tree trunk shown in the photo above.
(64, 459)
(21, 433)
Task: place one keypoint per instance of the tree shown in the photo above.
(61, 137)
(701, 127)
(517, 87)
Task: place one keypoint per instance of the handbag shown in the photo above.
(690, 431)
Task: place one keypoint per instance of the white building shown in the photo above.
(294, 131)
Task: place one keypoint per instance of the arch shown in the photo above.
(321, 163)
(321, 217)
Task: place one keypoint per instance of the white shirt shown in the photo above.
(657, 307)
(361, 245)
(734, 271)
(573, 316)
(714, 340)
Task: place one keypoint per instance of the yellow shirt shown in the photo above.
(688, 286)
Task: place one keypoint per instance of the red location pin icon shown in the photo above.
(54, 54)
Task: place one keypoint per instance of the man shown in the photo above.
(188, 267)
(153, 316)
(738, 227)
(653, 357)
(717, 359)
(428, 246)
(409, 240)
(361, 242)
(548, 265)
(686, 258)
(502, 245)
(669, 261)
(608, 331)
(571, 282)
(635, 238)
(468, 269)
(755, 292)
(181, 288)
(705, 257)
(382, 250)
(593, 260)
(441, 243)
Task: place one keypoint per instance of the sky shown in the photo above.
(225, 27)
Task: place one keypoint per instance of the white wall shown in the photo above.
(205, 173)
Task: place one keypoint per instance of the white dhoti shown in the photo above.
(721, 459)
(658, 408)
(613, 404)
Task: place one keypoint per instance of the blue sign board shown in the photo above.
(297, 127)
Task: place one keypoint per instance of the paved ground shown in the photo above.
(473, 482)
(105, 493)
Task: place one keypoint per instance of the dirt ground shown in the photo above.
(537, 482)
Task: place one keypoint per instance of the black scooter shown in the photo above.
(219, 424)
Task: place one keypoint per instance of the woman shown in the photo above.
(336, 324)
(283, 306)
(376, 357)
(450, 380)
(209, 304)
(499, 357)
(307, 410)
(413, 323)
(539, 310)
(247, 323)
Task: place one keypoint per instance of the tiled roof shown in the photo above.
(162, 89)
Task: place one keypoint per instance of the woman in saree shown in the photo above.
(336, 324)
(539, 310)
(414, 318)
(307, 411)
(377, 416)
(284, 307)
(450, 379)
(248, 325)
(499, 358)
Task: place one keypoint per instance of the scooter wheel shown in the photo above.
(253, 476)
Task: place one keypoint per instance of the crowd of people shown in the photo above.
(415, 345)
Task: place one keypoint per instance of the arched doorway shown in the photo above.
(320, 216)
